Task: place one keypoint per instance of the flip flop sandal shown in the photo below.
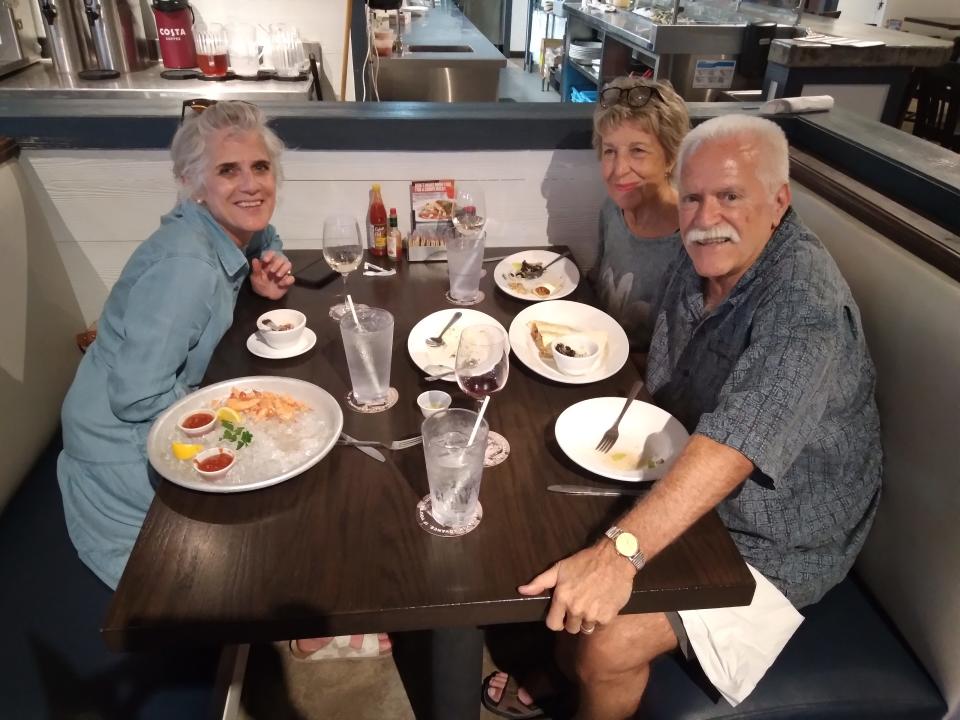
(509, 705)
(339, 648)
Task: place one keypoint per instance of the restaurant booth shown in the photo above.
(82, 185)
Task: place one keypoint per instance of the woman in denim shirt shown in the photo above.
(165, 315)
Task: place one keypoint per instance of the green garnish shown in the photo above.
(236, 433)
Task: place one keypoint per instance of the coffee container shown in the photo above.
(59, 23)
(111, 42)
(175, 33)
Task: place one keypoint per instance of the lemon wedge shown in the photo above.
(229, 414)
(185, 451)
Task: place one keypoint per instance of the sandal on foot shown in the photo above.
(509, 705)
(340, 648)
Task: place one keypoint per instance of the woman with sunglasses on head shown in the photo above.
(166, 313)
(637, 129)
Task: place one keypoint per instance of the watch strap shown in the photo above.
(637, 559)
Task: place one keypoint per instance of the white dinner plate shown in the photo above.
(424, 356)
(577, 316)
(561, 278)
(259, 348)
(650, 439)
(283, 451)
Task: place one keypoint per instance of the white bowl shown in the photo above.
(280, 317)
(214, 474)
(433, 401)
(199, 429)
(587, 351)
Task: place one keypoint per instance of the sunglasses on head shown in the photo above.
(637, 96)
(198, 105)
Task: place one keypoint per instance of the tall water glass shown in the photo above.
(454, 466)
(369, 351)
(464, 265)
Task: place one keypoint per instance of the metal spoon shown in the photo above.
(270, 324)
(438, 340)
(439, 376)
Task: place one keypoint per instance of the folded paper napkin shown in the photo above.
(811, 103)
(735, 646)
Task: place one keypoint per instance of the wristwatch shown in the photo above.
(627, 546)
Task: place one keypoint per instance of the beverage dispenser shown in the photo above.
(59, 23)
(114, 43)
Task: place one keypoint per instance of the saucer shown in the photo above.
(259, 348)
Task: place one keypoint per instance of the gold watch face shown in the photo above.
(626, 544)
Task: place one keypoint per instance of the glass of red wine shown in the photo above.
(482, 367)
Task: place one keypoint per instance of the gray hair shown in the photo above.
(190, 146)
(773, 165)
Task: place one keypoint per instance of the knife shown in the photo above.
(371, 452)
(588, 490)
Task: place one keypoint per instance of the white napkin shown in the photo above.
(811, 103)
(736, 645)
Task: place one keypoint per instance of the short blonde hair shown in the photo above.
(664, 115)
(191, 142)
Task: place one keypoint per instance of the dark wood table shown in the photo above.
(337, 550)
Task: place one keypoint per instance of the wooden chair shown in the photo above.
(938, 105)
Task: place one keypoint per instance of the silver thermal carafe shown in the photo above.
(109, 39)
(59, 22)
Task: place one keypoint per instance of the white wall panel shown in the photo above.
(106, 203)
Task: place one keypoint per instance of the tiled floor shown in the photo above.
(521, 86)
(280, 688)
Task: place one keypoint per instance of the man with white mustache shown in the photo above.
(758, 350)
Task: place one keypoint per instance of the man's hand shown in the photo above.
(590, 588)
(270, 275)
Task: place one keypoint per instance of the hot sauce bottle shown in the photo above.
(377, 222)
(394, 239)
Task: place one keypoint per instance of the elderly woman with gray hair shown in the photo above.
(165, 315)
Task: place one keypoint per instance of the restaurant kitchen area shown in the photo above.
(444, 98)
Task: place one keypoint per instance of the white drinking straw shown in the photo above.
(476, 425)
(353, 310)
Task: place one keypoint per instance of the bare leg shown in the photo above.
(613, 664)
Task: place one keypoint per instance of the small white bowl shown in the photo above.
(587, 351)
(199, 429)
(280, 317)
(214, 474)
(433, 401)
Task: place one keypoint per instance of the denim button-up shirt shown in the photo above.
(779, 371)
(159, 327)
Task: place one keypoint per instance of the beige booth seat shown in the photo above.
(38, 357)
(911, 317)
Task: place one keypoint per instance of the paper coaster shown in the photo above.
(392, 397)
(476, 301)
(498, 449)
(426, 521)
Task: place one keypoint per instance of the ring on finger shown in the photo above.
(587, 628)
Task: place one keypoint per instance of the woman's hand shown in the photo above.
(270, 275)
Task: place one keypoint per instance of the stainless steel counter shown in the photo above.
(40, 81)
(444, 59)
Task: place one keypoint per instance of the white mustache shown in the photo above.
(699, 236)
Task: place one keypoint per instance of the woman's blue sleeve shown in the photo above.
(167, 311)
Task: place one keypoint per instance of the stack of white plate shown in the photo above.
(583, 51)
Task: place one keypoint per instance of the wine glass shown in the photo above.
(469, 209)
(343, 251)
(482, 367)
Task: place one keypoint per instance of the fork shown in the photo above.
(537, 274)
(394, 445)
(612, 434)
